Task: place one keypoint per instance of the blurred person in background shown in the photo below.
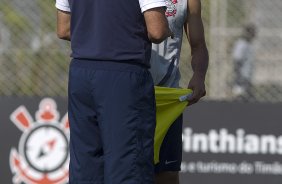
(243, 60)
(181, 14)
(111, 101)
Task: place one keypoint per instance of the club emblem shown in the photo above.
(171, 8)
(43, 156)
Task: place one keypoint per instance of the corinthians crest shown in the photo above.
(42, 156)
(171, 7)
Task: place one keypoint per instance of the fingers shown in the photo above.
(197, 95)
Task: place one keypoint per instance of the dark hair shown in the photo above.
(250, 30)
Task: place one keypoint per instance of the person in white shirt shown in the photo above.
(243, 60)
(184, 17)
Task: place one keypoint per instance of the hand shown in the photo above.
(197, 84)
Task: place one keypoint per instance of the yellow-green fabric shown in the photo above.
(170, 105)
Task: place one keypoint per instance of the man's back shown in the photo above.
(98, 35)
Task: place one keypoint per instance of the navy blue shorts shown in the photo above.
(171, 148)
(112, 123)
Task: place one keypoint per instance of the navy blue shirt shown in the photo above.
(109, 30)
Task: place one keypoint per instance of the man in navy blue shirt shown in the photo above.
(111, 92)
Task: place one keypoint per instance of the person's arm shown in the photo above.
(157, 25)
(63, 25)
(195, 33)
(156, 22)
(63, 19)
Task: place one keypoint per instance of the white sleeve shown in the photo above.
(63, 5)
(149, 4)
